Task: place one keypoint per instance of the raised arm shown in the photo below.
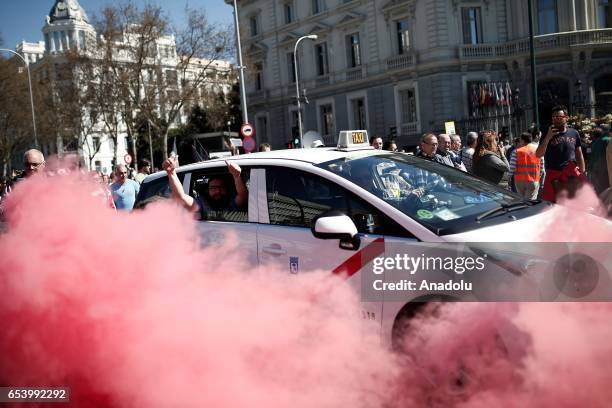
(170, 165)
(242, 197)
(541, 150)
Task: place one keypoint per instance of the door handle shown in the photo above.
(274, 249)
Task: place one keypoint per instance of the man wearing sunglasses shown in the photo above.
(563, 157)
(34, 162)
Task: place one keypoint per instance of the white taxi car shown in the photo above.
(337, 208)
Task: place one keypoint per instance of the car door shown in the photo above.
(234, 226)
(293, 199)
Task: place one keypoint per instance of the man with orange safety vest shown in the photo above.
(528, 168)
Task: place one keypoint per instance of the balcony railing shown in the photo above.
(542, 43)
(259, 96)
(401, 61)
(354, 74)
(409, 129)
(322, 80)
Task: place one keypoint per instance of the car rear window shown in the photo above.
(157, 187)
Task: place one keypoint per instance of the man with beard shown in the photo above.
(564, 161)
(217, 196)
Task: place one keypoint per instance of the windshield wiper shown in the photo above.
(504, 208)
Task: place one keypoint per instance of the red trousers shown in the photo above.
(571, 170)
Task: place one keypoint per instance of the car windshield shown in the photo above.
(431, 193)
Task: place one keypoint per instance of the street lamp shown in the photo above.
(245, 116)
(31, 95)
(297, 86)
(534, 80)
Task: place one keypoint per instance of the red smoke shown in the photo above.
(128, 311)
(581, 219)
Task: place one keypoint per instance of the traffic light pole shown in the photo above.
(245, 116)
(534, 80)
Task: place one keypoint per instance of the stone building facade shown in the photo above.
(403, 67)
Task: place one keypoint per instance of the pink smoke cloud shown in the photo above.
(128, 310)
(580, 219)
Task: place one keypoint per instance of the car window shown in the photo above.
(215, 203)
(437, 196)
(158, 187)
(296, 197)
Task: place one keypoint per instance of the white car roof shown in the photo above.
(313, 156)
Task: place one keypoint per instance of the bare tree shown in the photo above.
(15, 114)
(99, 71)
(199, 44)
(60, 104)
(134, 35)
(138, 70)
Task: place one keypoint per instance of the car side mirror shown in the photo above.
(336, 225)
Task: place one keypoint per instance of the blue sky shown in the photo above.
(24, 19)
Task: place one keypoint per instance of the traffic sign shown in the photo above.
(248, 143)
(247, 130)
(127, 158)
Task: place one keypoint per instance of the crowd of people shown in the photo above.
(533, 165)
(119, 189)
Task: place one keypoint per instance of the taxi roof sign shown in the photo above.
(353, 139)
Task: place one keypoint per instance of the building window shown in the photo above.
(472, 25)
(353, 50)
(290, 67)
(258, 77)
(547, 16)
(47, 42)
(317, 6)
(359, 114)
(95, 144)
(82, 41)
(403, 36)
(407, 102)
(171, 77)
(604, 14)
(288, 11)
(254, 26)
(262, 128)
(321, 57)
(327, 121)
(64, 40)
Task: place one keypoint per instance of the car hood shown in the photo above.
(558, 224)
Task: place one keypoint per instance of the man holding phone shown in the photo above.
(562, 155)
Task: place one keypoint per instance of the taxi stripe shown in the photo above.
(352, 265)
